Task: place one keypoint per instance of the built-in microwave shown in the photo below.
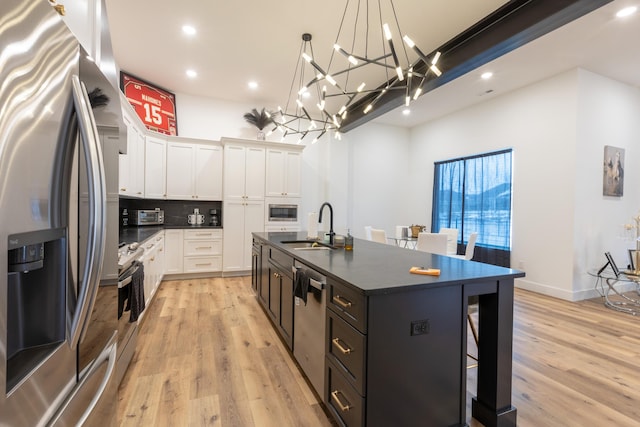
(282, 212)
(146, 217)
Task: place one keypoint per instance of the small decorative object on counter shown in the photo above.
(196, 218)
(415, 229)
(338, 241)
(348, 241)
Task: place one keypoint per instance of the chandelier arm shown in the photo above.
(382, 37)
(395, 16)
(286, 107)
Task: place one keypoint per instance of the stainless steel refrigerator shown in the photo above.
(57, 320)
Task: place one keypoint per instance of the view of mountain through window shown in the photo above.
(473, 194)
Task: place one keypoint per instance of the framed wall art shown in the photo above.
(155, 106)
(613, 171)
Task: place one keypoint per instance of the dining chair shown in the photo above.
(378, 235)
(471, 246)
(367, 232)
(452, 240)
(434, 243)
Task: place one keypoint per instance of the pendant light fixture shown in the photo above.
(364, 64)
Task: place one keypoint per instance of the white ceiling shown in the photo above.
(242, 41)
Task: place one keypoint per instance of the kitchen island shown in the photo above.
(395, 342)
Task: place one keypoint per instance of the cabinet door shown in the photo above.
(253, 222)
(254, 173)
(286, 309)
(293, 170)
(233, 242)
(234, 172)
(275, 174)
(274, 292)
(180, 171)
(155, 166)
(208, 172)
(173, 251)
(131, 165)
(138, 165)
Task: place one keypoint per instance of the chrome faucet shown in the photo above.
(331, 233)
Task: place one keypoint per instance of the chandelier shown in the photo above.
(365, 64)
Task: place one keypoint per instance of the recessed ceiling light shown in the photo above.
(192, 74)
(406, 111)
(188, 30)
(253, 85)
(626, 11)
(487, 75)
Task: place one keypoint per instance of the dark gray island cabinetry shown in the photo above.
(395, 342)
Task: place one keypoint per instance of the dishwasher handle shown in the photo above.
(319, 285)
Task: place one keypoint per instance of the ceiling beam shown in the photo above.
(508, 28)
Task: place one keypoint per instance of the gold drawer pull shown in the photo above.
(203, 264)
(344, 303)
(344, 350)
(203, 247)
(341, 406)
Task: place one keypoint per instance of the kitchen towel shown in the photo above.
(312, 225)
(302, 284)
(135, 301)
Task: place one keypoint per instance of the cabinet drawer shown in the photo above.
(346, 347)
(202, 264)
(283, 260)
(202, 234)
(343, 400)
(202, 247)
(351, 305)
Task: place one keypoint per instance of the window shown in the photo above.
(473, 194)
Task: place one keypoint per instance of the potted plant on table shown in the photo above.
(259, 119)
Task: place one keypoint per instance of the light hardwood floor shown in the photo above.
(207, 355)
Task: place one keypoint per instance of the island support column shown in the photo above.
(492, 405)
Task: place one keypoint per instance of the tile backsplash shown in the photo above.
(175, 211)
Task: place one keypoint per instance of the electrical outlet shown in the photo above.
(420, 327)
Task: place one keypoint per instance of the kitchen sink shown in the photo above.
(306, 245)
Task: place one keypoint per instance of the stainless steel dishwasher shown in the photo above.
(309, 328)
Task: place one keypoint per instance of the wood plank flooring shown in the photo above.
(208, 356)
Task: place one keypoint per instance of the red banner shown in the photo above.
(155, 106)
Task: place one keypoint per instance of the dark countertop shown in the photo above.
(377, 268)
(133, 234)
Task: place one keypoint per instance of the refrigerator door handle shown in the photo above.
(68, 409)
(76, 327)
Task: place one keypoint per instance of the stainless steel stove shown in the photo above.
(128, 254)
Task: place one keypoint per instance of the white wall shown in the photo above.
(608, 113)
(557, 131)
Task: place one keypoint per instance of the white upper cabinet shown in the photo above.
(283, 173)
(244, 172)
(179, 171)
(155, 166)
(194, 171)
(131, 165)
(208, 172)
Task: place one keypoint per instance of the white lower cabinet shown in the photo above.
(202, 251)
(193, 251)
(174, 254)
(153, 261)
